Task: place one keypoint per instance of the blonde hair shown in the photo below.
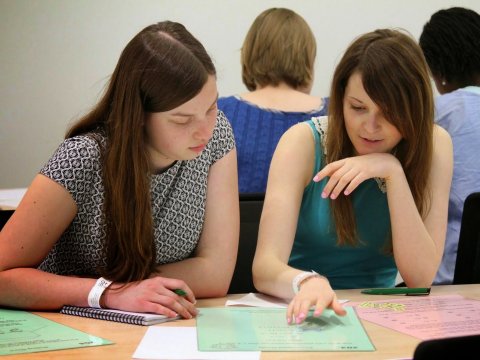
(279, 47)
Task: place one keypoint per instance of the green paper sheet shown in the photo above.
(23, 332)
(266, 329)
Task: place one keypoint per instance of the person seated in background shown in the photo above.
(450, 41)
(142, 193)
(277, 58)
(360, 194)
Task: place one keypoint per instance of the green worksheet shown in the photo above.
(266, 329)
(23, 332)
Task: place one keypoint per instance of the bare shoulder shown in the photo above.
(442, 142)
(299, 132)
(298, 141)
(441, 136)
(295, 152)
(442, 161)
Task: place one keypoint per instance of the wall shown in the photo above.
(56, 55)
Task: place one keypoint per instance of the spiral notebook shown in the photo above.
(117, 315)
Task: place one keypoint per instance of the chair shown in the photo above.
(459, 347)
(251, 205)
(4, 216)
(467, 265)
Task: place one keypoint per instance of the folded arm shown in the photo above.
(209, 272)
(418, 243)
(42, 216)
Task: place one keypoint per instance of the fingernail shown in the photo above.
(346, 192)
(315, 178)
(324, 195)
(289, 320)
(300, 318)
(333, 196)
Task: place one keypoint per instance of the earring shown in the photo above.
(444, 82)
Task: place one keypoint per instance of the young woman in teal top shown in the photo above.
(381, 176)
(349, 267)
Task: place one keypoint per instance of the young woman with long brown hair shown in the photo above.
(381, 174)
(142, 194)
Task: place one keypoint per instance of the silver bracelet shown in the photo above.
(298, 279)
(96, 292)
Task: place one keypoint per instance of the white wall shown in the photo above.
(57, 54)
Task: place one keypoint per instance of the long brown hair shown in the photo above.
(161, 68)
(395, 76)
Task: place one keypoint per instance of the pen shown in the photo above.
(180, 292)
(397, 291)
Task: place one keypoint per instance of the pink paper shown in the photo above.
(424, 317)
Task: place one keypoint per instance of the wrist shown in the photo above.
(95, 295)
(103, 299)
(302, 277)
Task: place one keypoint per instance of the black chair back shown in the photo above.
(251, 206)
(467, 265)
(4, 216)
(460, 347)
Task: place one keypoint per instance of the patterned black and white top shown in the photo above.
(178, 203)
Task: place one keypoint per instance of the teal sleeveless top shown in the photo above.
(368, 264)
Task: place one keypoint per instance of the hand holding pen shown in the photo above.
(158, 295)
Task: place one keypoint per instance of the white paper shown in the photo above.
(11, 197)
(262, 300)
(168, 342)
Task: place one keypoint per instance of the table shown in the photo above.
(389, 343)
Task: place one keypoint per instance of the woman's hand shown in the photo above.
(153, 295)
(346, 174)
(315, 291)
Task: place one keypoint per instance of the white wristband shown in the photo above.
(96, 292)
(297, 280)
